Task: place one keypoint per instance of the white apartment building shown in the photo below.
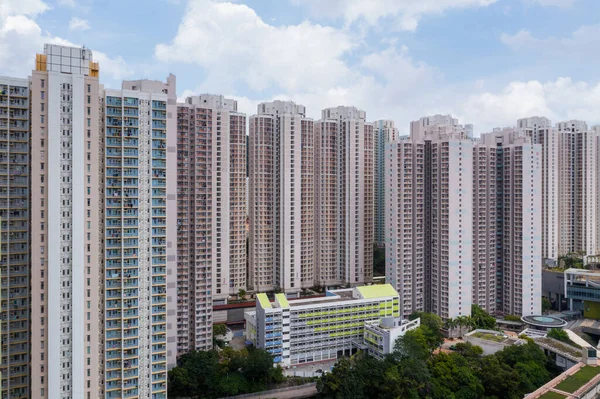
(282, 209)
(344, 197)
(211, 214)
(441, 151)
(66, 255)
(383, 132)
(542, 132)
(578, 195)
(405, 222)
(507, 228)
(316, 329)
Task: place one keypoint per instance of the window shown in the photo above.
(43, 94)
(89, 88)
(41, 118)
(42, 107)
(42, 83)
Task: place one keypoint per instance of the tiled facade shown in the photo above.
(14, 234)
(281, 169)
(569, 184)
(383, 132)
(430, 183)
(135, 182)
(344, 197)
(211, 235)
(512, 244)
(65, 225)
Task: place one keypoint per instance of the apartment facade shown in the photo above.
(579, 188)
(211, 213)
(282, 215)
(66, 341)
(383, 132)
(430, 184)
(315, 329)
(542, 132)
(14, 235)
(405, 222)
(139, 131)
(507, 232)
(344, 197)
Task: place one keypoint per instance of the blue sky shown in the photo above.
(487, 62)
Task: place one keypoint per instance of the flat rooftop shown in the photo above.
(375, 291)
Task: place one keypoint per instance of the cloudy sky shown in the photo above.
(487, 62)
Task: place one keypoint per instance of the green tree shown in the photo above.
(219, 329)
(450, 325)
(546, 305)
(453, 378)
(431, 325)
(498, 379)
(241, 294)
(512, 317)
(481, 318)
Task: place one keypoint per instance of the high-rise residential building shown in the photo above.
(542, 132)
(569, 185)
(139, 145)
(578, 165)
(211, 214)
(405, 222)
(14, 234)
(507, 223)
(383, 132)
(429, 213)
(66, 210)
(282, 203)
(344, 197)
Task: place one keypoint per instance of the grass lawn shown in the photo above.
(489, 337)
(577, 380)
(552, 395)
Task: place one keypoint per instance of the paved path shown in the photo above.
(298, 393)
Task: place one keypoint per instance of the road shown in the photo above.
(304, 391)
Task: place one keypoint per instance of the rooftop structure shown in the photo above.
(582, 290)
(380, 335)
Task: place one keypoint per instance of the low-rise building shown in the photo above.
(380, 335)
(582, 289)
(317, 329)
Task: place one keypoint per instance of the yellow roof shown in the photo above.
(283, 302)
(377, 291)
(264, 301)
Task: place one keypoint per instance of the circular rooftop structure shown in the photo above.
(544, 322)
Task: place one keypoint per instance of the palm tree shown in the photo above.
(463, 321)
(450, 324)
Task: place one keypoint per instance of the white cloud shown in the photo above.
(562, 99)
(581, 44)
(552, 3)
(22, 7)
(78, 24)
(406, 13)
(21, 38)
(230, 41)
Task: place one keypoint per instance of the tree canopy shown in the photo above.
(213, 374)
(414, 370)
